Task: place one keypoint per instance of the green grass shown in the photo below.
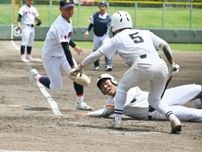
(144, 17)
(175, 46)
(186, 47)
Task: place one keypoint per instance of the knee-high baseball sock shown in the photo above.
(45, 81)
(79, 92)
(120, 99)
(163, 108)
(29, 50)
(22, 49)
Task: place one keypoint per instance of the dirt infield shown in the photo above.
(27, 123)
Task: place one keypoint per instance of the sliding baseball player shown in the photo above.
(137, 105)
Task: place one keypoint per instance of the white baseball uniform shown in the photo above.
(53, 54)
(136, 105)
(138, 50)
(28, 21)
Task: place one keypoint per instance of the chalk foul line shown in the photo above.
(50, 100)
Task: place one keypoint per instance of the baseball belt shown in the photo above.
(31, 25)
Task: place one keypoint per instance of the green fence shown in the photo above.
(145, 14)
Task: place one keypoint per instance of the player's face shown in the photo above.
(108, 88)
(68, 12)
(29, 2)
(103, 9)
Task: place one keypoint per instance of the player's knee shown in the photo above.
(121, 89)
(55, 87)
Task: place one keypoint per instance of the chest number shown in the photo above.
(136, 38)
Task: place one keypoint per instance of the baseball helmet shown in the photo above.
(106, 76)
(121, 20)
(102, 3)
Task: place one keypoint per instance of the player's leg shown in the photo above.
(187, 114)
(136, 111)
(30, 43)
(198, 100)
(24, 43)
(158, 73)
(181, 94)
(52, 67)
(108, 62)
(131, 78)
(79, 89)
(183, 113)
(96, 45)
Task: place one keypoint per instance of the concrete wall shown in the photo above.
(171, 36)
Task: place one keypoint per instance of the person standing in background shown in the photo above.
(27, 20)
(100, 23)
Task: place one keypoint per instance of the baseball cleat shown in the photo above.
(117, 124)
(96, 68)
(83, 106)
(33, 74)
(24, 59)
(176, 126)
(108, 68)
(29, 57)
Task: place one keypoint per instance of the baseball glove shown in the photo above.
(39, 22)
(79, 77)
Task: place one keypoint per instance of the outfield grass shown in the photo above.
(175, 46)
(144, 17)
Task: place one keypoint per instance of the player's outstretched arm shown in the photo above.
(168, 53)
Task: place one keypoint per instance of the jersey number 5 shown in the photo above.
(136, 38)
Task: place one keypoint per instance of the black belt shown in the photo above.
(132, 101)
(143, 56)
(31, 25)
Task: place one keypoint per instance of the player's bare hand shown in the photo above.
(19, 27)
(86, 34)
(78, 50)
(81, 114)
(76, 70)
(174, 69)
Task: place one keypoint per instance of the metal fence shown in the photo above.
(145, 14)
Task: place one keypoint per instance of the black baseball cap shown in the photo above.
(66, 3)
(102, 3)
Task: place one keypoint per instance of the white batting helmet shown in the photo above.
(121, 20)
(106, 76)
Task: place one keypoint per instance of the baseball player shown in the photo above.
(138, 50)
(100, 23)
(27, 19)
(137, 105)
(56, 54)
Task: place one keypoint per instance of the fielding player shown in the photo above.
(56, 54)
(27, 19)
